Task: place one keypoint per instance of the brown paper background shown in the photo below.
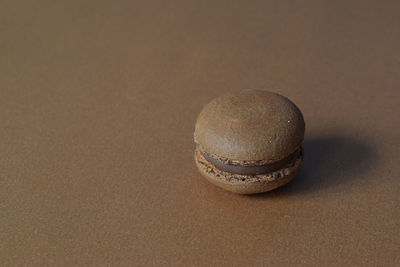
(98, 101)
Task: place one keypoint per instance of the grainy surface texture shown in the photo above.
(98, 101)
(254, 126)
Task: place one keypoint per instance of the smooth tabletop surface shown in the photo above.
(98, 101)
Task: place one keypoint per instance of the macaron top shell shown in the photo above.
(255, 126)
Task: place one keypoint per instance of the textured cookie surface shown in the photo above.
(254, 126)
(248, 184)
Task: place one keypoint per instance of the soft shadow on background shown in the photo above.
(330, 161)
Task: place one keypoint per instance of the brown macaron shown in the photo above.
(249, 142)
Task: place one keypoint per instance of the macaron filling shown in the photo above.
(252, 170)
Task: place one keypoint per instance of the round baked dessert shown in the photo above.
(249, 142)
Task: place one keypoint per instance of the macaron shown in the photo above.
(250, 141)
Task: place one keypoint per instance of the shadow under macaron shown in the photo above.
(329, 161)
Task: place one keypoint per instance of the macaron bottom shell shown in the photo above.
(247, 184)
